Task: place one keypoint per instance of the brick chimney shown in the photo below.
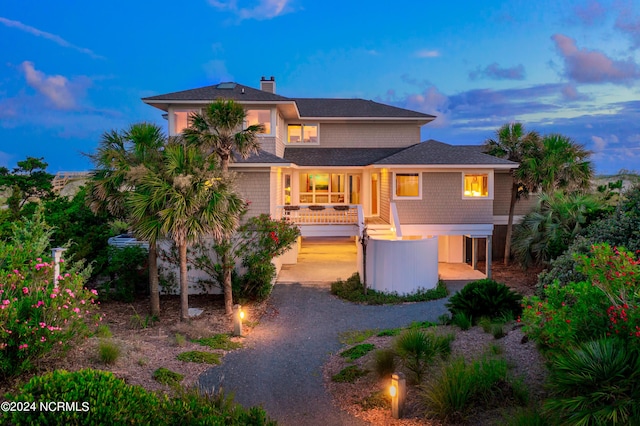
(268, 85)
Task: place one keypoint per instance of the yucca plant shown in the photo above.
(418, 349)
(598, 383)
(485, 298)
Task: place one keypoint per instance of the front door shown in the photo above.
(375, 194)
(354, 188)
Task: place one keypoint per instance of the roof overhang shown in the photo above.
(453, 167)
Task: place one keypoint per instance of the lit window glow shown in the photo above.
(181, 120)
(302, 133)
(407, 184)
(476, 186)
(259, 116)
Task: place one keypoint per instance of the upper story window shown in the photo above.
(407, 186)
(302, 133)
(259, 116)
(181, 120)
(475, 185)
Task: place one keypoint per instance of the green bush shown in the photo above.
(598, 383)
(128, 273)
(384, 362)
(349, 374)
(485, 298)
(418, 350)
(462, 320)
(357, 351)
(110, 400)
(352, 290)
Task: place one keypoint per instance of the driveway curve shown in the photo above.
(280, 366)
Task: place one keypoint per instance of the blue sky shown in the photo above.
(72, 70)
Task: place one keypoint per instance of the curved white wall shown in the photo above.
(402, 266)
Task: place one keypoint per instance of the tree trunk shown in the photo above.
(184, 285)
(154, 290)
(228, 289)
(512, 207)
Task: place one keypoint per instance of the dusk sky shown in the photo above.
(72, 70)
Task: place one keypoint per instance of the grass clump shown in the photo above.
(353, 337)
(461, 388)
(379, 399)
(219, 341)
(352, 290)
(389, 332)
(200, 357)
(180, 339)
(357, 351)
(167, 377)
(349, 374)
(108, 351)
(103, 332)
(462, 320)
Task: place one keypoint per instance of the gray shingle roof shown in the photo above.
(361, 108)
(260, 157)
(311, 157)
(433, 152)
(211, 93)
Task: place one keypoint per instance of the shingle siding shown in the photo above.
(363, 135)
(255, 187)
(442, 203)
(502, 197)
(385, 192)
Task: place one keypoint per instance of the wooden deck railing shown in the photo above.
(326, 214)
(62, 178)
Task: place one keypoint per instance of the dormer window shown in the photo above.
(259, 116)
(302, 134)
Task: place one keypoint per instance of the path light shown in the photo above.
(238, 316)
(398, 392)
(56, 253)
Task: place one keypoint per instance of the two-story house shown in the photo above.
(330, 164)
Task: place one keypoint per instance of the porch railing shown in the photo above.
(325, 214)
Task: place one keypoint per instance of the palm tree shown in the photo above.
(121, 158)
(514, 144)
(218, 131)
(561, 163)
(191, 199)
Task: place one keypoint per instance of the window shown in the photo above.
(303, 133)
(259, 116)
(407, 185)
(181, 119)
(319, 188)
(476, 186)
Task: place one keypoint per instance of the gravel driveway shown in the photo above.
(280, 366)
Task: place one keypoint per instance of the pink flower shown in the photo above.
(5, 302)
(23, 346)
(53, 295)
(76, 310)
(25, 290)
(43, 339)
(94, 291)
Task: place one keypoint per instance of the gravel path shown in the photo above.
(280, 367)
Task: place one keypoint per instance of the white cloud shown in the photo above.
(59, 90)
(264, 9)
(599, 144)
(426, 53)
(216, 70)
(55, 38)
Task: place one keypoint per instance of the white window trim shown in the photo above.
(490, 182)
(302, 143)
(405, 172)
(272, 117)
(172, 118)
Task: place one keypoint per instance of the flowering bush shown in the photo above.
(605, 303)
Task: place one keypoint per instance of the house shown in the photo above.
(331, 165)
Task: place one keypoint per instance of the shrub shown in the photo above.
(199, 357)
(352, 290)
(167, 377)
(462, 320)
(128, 273)
(110, 400)
(349, 374)
(38, 318)
(384, 362)
(418, 350)
(596, 383)
(357, 351)
(108, 351)
(103, 331)
(485, 298)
